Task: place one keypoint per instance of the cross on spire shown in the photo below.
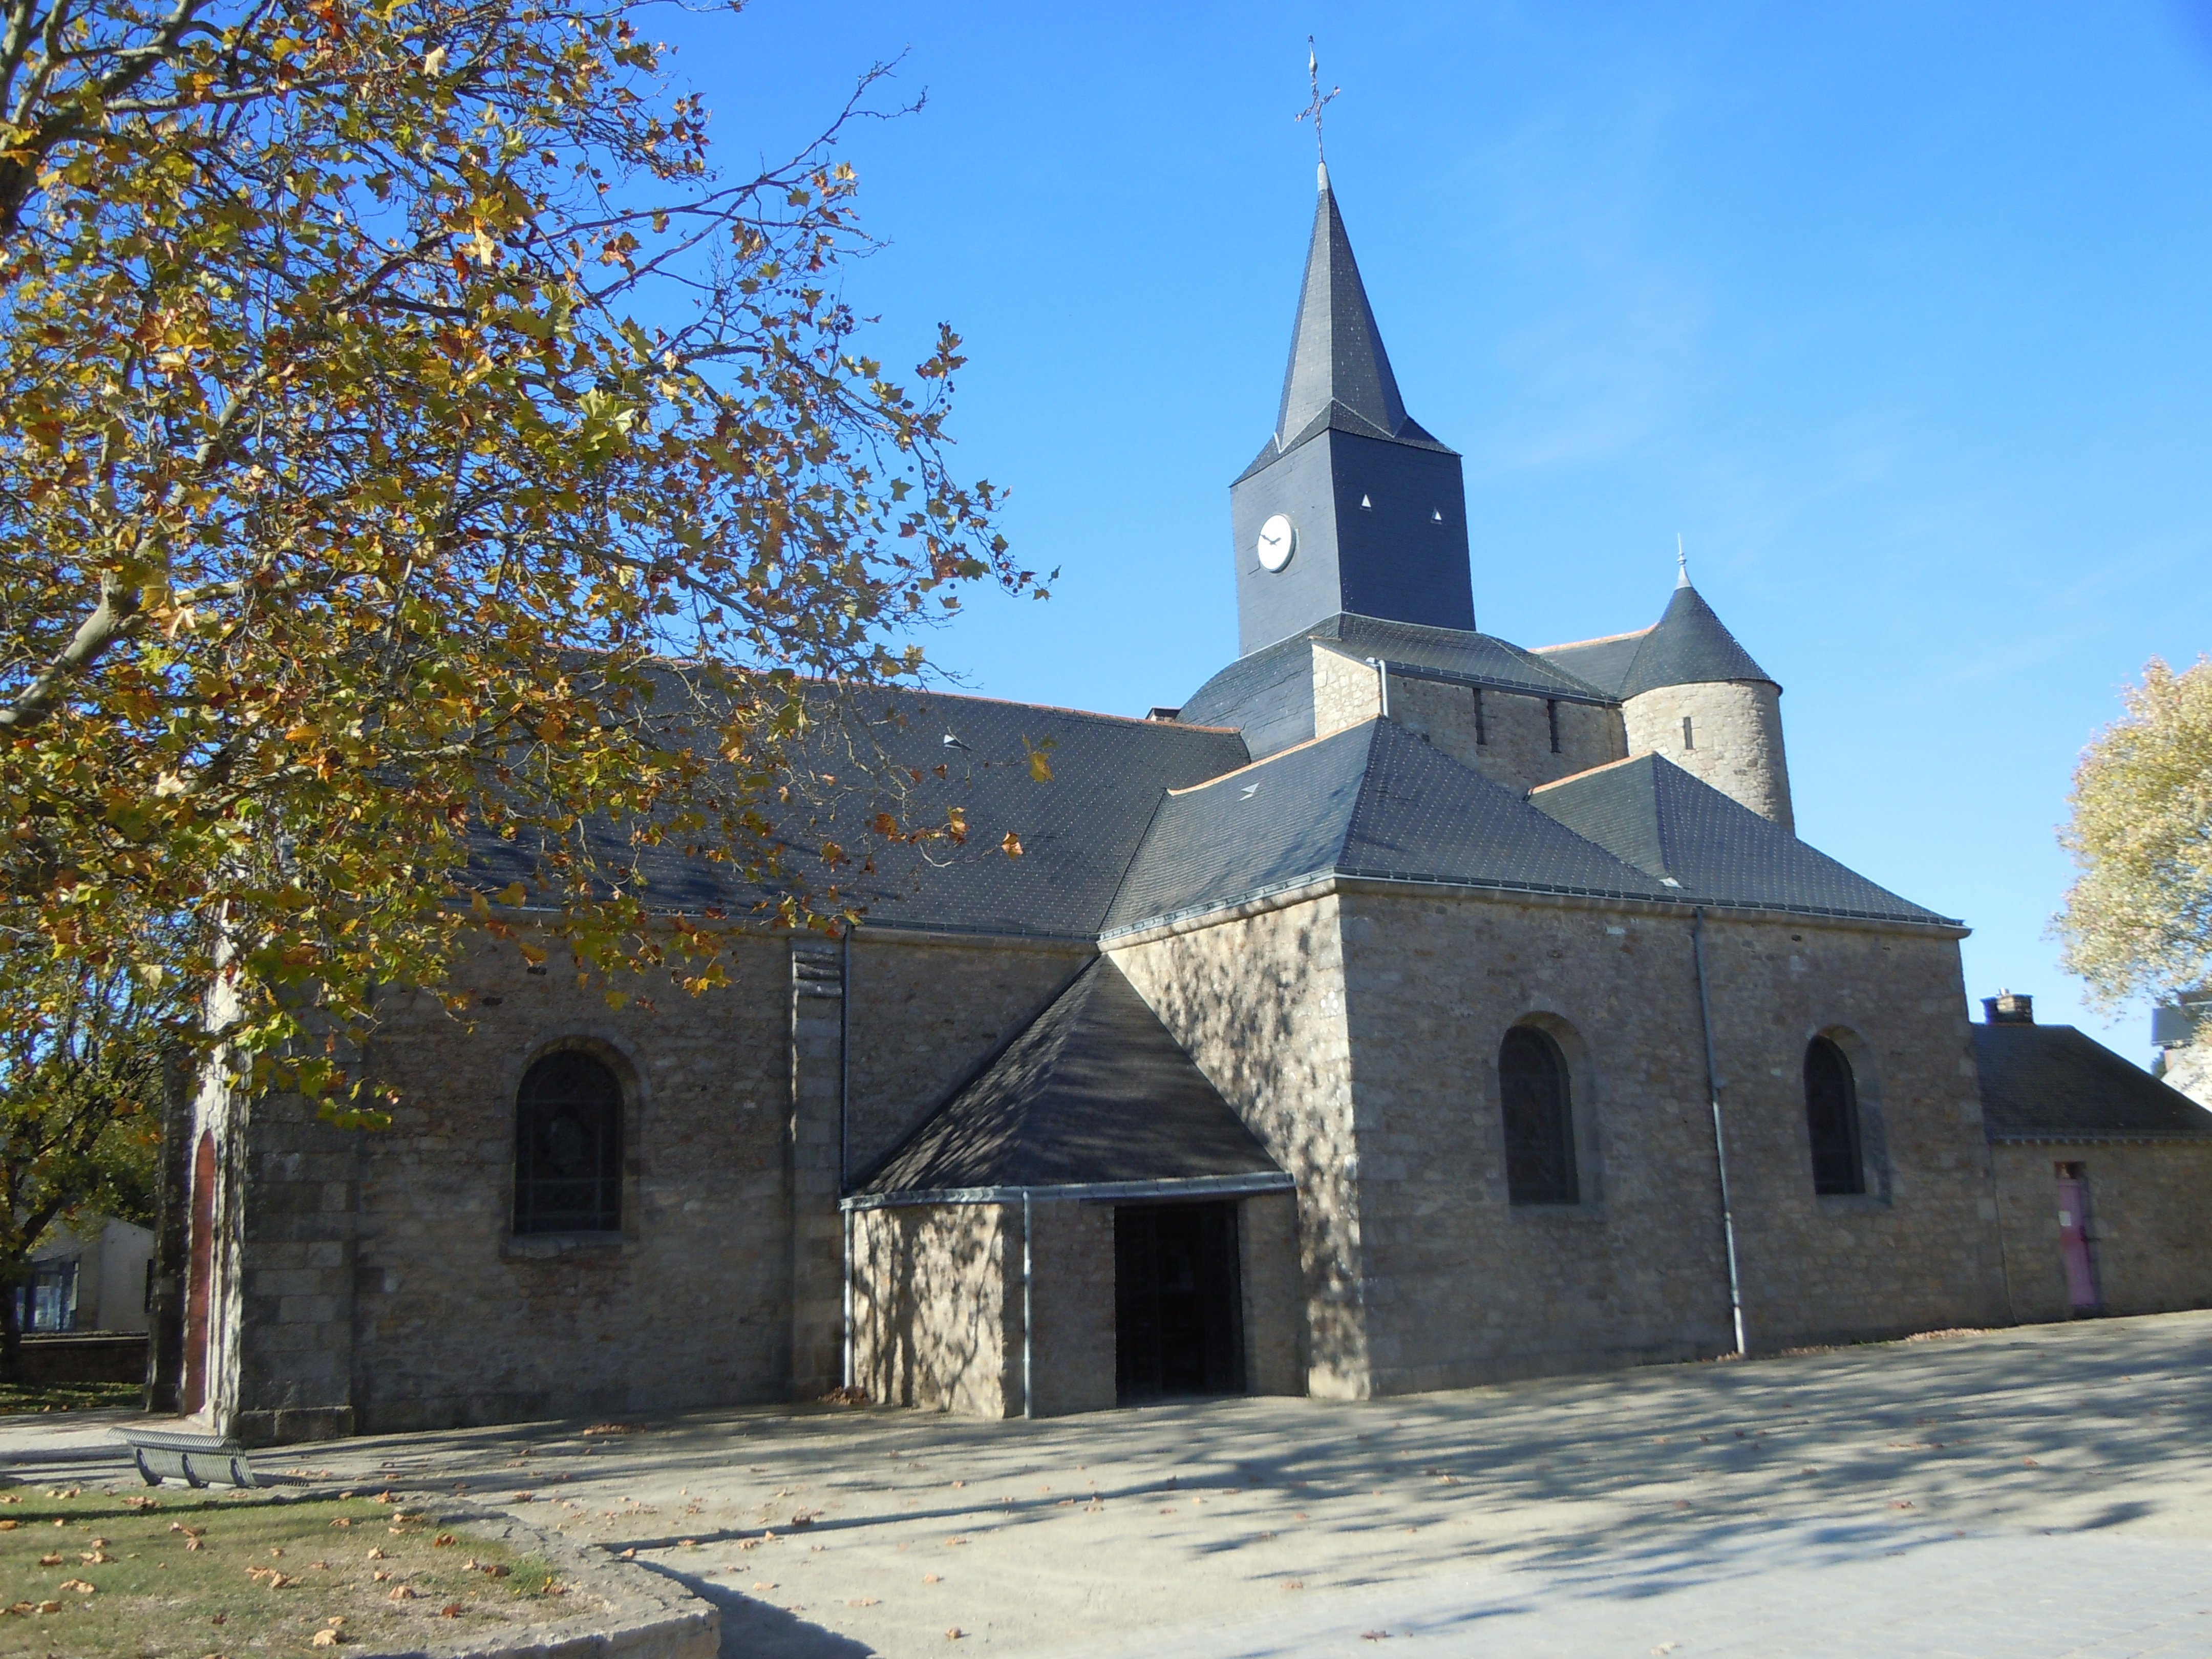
(1321, 101)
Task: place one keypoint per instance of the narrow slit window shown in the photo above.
(1482, 722)
(1689, 736)
(1551, 713)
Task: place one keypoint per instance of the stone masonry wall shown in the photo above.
(926, 1013)
(934, 1290)
(372, 1277)
(1274, 1305)
(1462, 1287)
(1736, 730)
(1510, 743)
(1258, 1003)
(2147, 1206)
(1072, 1300)
(458, 1320)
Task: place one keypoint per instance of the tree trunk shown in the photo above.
(11, 1327)
(165, 1286)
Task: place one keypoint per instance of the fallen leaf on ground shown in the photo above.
(78, 1585)
(451, 1610)
(326, 1639)
(49, 1607)
(955, 1633)
(444, 1540)
(931, 1578)
(1294, 1584)
(403, 1593)
(53, 1560)
(864, 1601)
(1375, 1636)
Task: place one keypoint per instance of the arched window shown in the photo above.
(1832, 1115)
(1540, 1142)
(567, 1148)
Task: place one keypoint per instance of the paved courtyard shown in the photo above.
(2027, 1492)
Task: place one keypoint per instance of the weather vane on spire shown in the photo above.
(1321, 103)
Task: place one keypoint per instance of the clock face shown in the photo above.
(1278, 538)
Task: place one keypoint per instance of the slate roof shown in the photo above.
(1268, 694)
(1603, 663)
(1340, 376)
(1078, 832)
(1094, 1090)
(1371, 800)
(1688, 646)
(2054, 1082)
(1652, 814)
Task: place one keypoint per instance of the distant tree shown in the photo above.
(407, 435)
(2138, 919)
(81, 1071)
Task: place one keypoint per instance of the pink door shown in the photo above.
(2073, 1245)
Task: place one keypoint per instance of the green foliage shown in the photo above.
(2138, 919)
(83, 1078)
(407, 435)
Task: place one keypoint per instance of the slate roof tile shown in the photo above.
(2054, 1082)
(1094, 1089)
(1650, 813)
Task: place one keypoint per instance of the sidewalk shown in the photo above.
(2035, 1492)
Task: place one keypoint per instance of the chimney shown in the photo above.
(2010, 1008)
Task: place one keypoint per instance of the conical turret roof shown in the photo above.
(1690, 646)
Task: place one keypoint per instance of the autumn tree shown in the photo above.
(2138, 919)
(409, 438)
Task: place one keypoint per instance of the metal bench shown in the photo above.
(197, 1460)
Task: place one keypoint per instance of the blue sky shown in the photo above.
(1900, 313)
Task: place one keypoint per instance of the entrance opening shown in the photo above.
(2074, 1237)
(1178, 1302)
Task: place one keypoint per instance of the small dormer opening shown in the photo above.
(1436, 515)
(1551, 713)
(1689, 733)
(1366, 504)
(1481, 724)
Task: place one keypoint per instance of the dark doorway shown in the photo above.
(1178, 1302)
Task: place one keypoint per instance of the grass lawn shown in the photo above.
(137, 1572)
(16, 1397)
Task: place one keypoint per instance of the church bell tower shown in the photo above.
(1352, 506)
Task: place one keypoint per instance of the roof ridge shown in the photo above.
(1266, 760)
(1591, 771)
(1601, 639)
(1059, 708)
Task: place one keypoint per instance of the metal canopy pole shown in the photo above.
(1720, 1141)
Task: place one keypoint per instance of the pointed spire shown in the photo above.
(1336, 350)
(1681, 563)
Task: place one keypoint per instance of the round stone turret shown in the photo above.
(1694, 696)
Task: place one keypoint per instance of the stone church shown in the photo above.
(1407, 1009)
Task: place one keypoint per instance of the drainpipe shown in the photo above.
(845, 1132)
(1383, 682)
(1720, 1141)
(1028, 1410)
